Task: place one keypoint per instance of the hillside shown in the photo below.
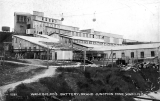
(94, 81)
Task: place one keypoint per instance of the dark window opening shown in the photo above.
(16, 40)
(29, 48)
(132, 54)
(114, 55)
(34, 48)
(152, 53)
(28, 26)
(123, 55)
(142, 54)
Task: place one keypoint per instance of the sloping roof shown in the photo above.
(22, 13)
(89, 39)
(38, 41)
(50, 42)
(127, 47)
(48, 37)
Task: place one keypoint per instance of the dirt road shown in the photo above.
(49, 72)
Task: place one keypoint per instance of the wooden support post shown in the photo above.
(109, 58)
(137, 55)
(4, 53)
(84, 59)
(159, 61)
(112, 58)
(103, 59)
(47, 57)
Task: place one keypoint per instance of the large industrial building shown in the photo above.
(37, 33)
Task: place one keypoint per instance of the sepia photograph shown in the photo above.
(79, 50)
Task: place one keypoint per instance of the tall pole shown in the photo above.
(112, 57)
(159, 61)
(47, 57)
(4, 53)
(84, 59)
(103, 59)
(72, 50)
(137, 55)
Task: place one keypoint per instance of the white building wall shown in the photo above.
(111, 40)
(64, 55)
(137, 54)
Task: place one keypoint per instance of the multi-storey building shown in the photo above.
(20, 22)
(38, 24)
(52, 30)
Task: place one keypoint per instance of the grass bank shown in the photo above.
(93, 81)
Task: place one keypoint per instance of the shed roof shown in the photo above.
(38, 40)
(127, 47)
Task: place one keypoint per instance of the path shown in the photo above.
(28, 64)
(48, 73)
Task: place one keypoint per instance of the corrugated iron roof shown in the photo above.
(37, 40)
(87, 39)
(127, 47)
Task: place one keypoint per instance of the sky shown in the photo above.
(134, 19)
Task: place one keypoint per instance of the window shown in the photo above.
(29, 48)
(15, 40)
(87, 35)
(83, 35)
(49, 20)
(142, 54)
(34, 48)
(46, 19)
(42, 18)
(76, 34)
(28, 26)
(52, 20)
(123, 55)
(152, 53)
(114, 55)
(132, 54)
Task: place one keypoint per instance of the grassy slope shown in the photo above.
(93, 80)
(9, 74)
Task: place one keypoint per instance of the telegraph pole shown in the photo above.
(47, 57)
(112, 57)
(84, 59)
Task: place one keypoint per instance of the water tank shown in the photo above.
(5, 28)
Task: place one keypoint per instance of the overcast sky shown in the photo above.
(134, 19)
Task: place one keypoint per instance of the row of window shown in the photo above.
(141, 54)
(21, 19)
(46, 24)
(49, 20)
(66, 40)
(80, 34)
